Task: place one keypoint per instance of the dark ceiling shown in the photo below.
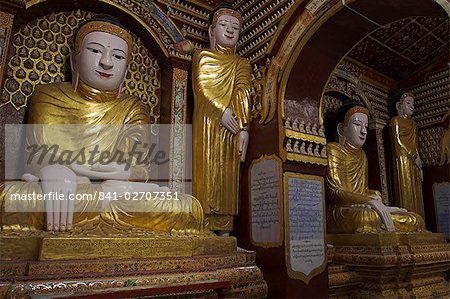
(401, 48)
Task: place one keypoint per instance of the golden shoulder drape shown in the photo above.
(408, 184)
(101, 114)
(220, 80)
(347, 185)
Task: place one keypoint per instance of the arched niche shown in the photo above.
(153, 32)
(326, 37)
(313, 39)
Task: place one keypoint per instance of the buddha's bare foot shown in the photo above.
(185, 232)
(223, 233)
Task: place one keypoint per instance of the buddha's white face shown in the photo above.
(356, 130)
(102, 61)
(226, 32)
(407, 106)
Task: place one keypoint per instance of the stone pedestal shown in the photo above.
(342, 282)
(52, 266)
(395, 264)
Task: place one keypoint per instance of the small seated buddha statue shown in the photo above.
(303, 149)
(296, 149)
(102, 119)
(295, 125)
(289, 146)
(301, 127)
(352, 206)
(287, 123)
(309, 151)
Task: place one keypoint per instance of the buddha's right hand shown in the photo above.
(384, 213)
(117, 189)
(229, 121)
(59, 184)
(397, 210)
(375, 197)
(110, 171)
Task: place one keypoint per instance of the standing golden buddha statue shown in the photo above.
(221, 83)
(407, 163)
(353, 207)
(92, 116)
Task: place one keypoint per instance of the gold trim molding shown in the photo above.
(306, 159)
(305, 137)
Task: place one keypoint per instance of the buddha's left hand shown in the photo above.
(384, 212)
(58, 180)
(375, 197)
(243, 144)
(110, 171)
(419, 162)
(397, 210)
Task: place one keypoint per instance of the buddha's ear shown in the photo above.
(123, 81)
(398, 106)
(340, 132)
(212, 40)
(75, 74)
(120, 89)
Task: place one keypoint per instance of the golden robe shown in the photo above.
(56, 104)
(405, 147)
(347, 185)
(220, 80)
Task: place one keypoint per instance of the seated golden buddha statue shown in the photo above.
(92, 115)
(353, 207)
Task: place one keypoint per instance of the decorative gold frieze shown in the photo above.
(6, 22)
(55, 247)
(395, 264)
(101, 276)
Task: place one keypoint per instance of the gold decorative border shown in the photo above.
(282, 24)
(435, 205)
(306, 137)
(280, 173)
(104, 27)
(178, 76)
(6, 22)
(315, 6)
(445, 5)
(294, 274)
(306, 159)
(269, 96)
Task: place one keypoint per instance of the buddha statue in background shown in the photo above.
(407, 162)
(353, 207)
(221, 84)
(92, 114)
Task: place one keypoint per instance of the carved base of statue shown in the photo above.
(406, 265)
(234, 273)
(366, 220)
(342, 282)
(61, 246)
